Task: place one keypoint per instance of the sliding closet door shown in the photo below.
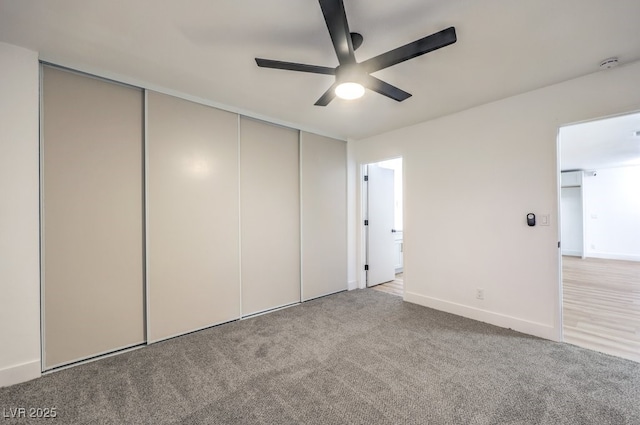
(323, 181)
(193, 216)
(270, 216)
(92, 217)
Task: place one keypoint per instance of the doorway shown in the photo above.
(599, 165)
(383, 226)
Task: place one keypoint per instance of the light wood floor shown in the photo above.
(395, 287)
(601, 305)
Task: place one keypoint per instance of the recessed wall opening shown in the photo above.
(599, 164)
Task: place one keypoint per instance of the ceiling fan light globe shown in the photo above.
(350, 91)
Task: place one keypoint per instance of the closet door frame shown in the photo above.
(146, 306)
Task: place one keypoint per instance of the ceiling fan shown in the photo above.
(352, 77)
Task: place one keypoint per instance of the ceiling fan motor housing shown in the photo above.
(349, 73)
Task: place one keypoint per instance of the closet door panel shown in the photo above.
(92, 216)
(270, 216)
(323, 181)
(193, 216)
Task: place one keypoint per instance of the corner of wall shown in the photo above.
(352, 226)
(19, 190)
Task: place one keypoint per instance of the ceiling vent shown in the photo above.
(609, 63)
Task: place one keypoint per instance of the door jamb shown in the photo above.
(363, 215)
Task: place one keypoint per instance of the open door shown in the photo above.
(380, 231)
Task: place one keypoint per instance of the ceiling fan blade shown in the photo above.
(386, 89)
(408, 51)
(292, 66)
(336, 19)
(328, 96)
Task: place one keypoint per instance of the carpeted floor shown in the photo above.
(360, 357)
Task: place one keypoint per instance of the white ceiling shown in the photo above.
(606, 143)
(206, 49)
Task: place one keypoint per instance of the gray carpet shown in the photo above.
(362, 357)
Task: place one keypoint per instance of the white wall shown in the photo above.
(612, 213)
(353, 207)
(471, 178)
(19, 212)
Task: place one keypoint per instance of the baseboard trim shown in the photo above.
(20, 373)
(572, 253)
(497, 319)
(614, 256)
(353, 284)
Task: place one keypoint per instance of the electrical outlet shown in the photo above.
(480, 294)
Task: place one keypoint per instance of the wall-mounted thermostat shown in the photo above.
(531, 219)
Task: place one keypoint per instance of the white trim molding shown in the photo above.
(612, 256)
(492, 318)
(20, 373)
